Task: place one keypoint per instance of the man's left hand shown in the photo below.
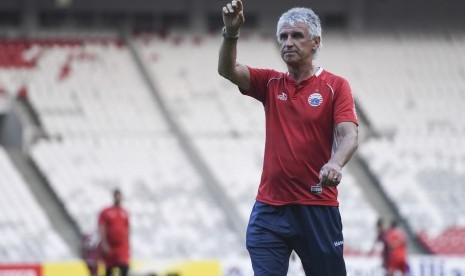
(330, 174)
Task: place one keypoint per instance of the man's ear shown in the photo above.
(317, 41)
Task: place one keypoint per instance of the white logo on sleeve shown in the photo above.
(282, 96)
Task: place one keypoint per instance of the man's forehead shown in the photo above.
(297, 27)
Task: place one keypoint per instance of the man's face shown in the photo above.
(117, 198)
(297, 47)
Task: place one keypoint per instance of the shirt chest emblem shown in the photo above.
(315, 99)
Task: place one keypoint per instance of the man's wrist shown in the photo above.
(341, 165)
(229, 36)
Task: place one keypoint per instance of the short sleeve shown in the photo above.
(258, 83)
(344, 105)
(102, 218)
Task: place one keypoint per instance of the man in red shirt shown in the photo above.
(311, 133)
(397, 244)
(114, 236)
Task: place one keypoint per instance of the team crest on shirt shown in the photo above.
(315, 99)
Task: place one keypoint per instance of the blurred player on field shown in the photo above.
(114, 234)
(397, 246)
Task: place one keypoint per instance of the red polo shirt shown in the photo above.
(116, 222)
(300, 130)
(397, 243)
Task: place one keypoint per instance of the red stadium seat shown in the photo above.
(449, 242)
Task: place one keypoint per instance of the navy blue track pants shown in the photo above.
(313, 232)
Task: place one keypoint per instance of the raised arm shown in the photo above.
(347, 143)
(233, 18)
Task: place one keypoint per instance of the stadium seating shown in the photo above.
(14, 67)
(26, 234)
(450, 242)
(105, 131)
(11, 55)
(172, 214)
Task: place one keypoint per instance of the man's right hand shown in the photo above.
(233, 17)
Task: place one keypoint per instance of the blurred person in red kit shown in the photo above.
(113, 224)
(397, 250)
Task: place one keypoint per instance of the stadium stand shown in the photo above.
(413, 99)
(172, 215)
(228, 128)
(104, 131)
(26, 234)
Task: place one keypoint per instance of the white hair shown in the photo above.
(302, 15)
